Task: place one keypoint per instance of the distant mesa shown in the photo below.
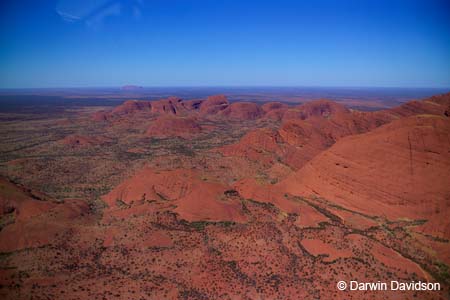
(130, 87)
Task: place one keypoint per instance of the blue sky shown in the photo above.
(224, 43)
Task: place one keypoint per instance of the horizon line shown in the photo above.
(223, 86)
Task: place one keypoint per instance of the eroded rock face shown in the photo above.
(274, 110)
(317, 108)
(23, 204)
(399, 170)
(243, 111)
(35, 219)
(195, 199)
(174, 126)
(310, 128)
(170, 106)
(314, 111)
(192, 105)
(436, 105)
(132, 106)
(101, 116)
(214, 104)
(262, 145)
(270, 106)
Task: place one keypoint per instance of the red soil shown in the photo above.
(319, 247)
(76, 140)
(309, 217)
(389, 257)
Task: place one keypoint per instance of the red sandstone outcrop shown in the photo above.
(132, 106)
(214, 104)
(310, 128)
(195, 198)
(399, 170)
(36, 218)
(243, 111)
(274, 110)
(167, 106)
(262, 145)
(270, 106)
(317, 108)
(170, 106)
(166, 126)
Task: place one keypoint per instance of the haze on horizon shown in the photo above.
(63, 43)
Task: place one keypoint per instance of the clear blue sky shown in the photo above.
(218, 42)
